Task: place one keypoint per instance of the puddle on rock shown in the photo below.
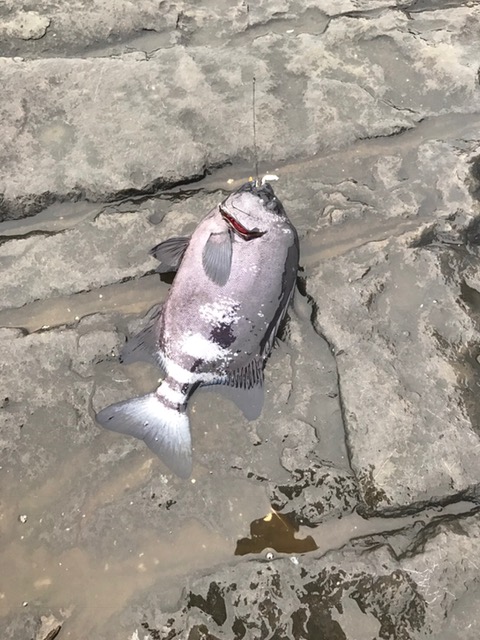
(274, 531)
(95, 589)
(277, 531)
(133, 297)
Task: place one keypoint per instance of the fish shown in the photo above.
(234, 280)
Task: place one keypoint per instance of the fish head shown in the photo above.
(252, 210)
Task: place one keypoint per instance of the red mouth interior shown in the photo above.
(239, 228)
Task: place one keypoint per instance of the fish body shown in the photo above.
(235, 278)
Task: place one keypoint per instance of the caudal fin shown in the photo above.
(165, 431)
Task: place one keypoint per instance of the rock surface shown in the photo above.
(349, 508)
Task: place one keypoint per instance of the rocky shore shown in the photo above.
(350, 509)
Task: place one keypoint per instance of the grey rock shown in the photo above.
(439, 562)
(395, 318)
(60, 143)
(76, 24)
(315, 493)
(350, 6)
(321, 484)
(17, 627)
(47, 401)
(148, 25)
(27, 25)
(50, 628)
(106, 250)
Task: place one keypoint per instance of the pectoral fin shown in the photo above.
(217, 257)
(170, 253)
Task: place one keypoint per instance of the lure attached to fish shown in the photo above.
(235, 278)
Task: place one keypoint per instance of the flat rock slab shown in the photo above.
(98, 127)
(111, 247)
(401, 333)
(399, 308)
(69, 26)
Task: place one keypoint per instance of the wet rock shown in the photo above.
(148, 25)
(145, 25)
(347, 6)
(20, 626)
(48, 401)
(112, 248)
(76, 25)
(31, 625)
(55, 381)
(338, 595)
(439, 562)
(93, 348)
(77, 259)
(408, 293)
(316, 492)
(313, 450)
(50, 628)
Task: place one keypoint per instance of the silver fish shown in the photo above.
(235, 278)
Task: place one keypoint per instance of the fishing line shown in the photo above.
(254, 130)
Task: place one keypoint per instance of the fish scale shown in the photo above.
(235, 277)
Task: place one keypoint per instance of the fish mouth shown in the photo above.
(262, 191)
(238, 228)
(266, 194)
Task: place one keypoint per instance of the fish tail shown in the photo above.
(159, 421)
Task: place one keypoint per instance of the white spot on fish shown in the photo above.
(197, 346)
(175, 397)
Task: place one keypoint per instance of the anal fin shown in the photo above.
(249, 401)
(244, 387)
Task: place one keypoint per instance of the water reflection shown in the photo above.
(275, 531)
